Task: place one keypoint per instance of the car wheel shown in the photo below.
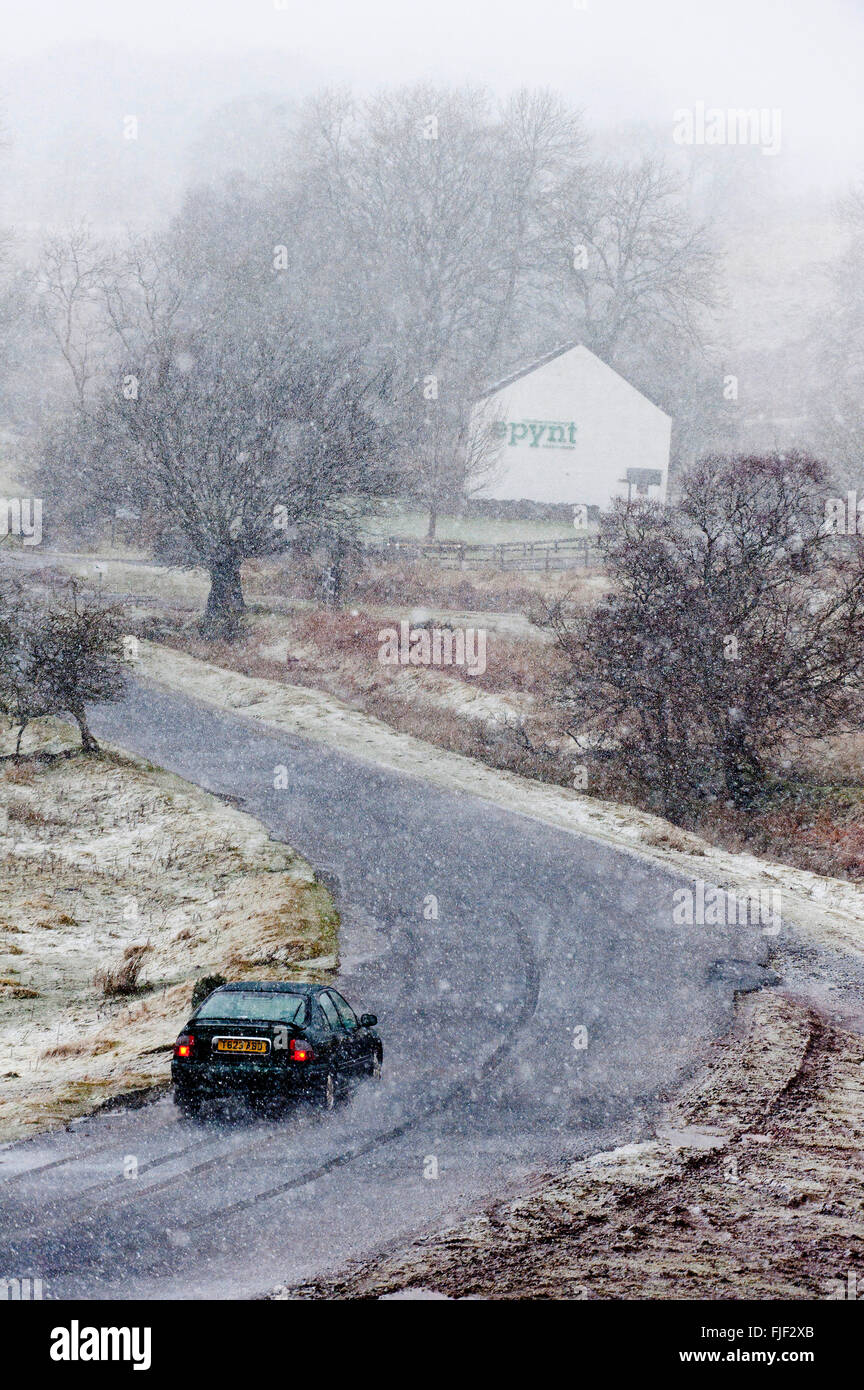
(188, 1105)
(328, 1091)
(376, 1067)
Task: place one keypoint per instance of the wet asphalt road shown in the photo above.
(539, 933)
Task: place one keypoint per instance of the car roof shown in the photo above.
(268, 987)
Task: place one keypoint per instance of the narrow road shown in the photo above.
(538, 934)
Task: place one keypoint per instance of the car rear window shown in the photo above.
(269, 1008)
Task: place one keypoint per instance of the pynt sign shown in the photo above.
(643, 478)
(537, 434)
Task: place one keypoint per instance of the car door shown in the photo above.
(333, 1024)
(357, 1042)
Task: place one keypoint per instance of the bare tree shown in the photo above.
(57, 657)
(77, 657)
(455, 449)
(229, 443)
(21, 696)
(735, 623)
(542, 158)
(74, 269)
(625, 258)
(428, 200)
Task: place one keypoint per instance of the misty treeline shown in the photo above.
(297, 342)
(59, 652)
(735, 626)
(836, 397)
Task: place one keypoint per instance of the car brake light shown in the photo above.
(184, 1046)
(300, 1050)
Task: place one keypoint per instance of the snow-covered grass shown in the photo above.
(127, 577)
(827, 909)
(487, 597)
(101, 856)
(484, 589)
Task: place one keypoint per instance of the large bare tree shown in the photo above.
(229, 444)
(427, 199)
(624, 257)
(75, 269)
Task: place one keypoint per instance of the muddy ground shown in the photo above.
(753, 1187)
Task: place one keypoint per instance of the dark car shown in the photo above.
(272, 1041)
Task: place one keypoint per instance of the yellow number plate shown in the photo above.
(242, 1045)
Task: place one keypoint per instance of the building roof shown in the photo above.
(550, 357)
(531, 367)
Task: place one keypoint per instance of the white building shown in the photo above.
(569, 429)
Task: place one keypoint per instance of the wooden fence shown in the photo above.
(567, 553)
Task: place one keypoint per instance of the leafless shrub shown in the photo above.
(736, 622)
(125, 978)
(23, 814)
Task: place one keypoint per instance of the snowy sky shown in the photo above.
(622, 60)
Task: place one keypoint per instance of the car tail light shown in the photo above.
(184, 1046)
(300, 1050)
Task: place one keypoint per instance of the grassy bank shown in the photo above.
(116, 876)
